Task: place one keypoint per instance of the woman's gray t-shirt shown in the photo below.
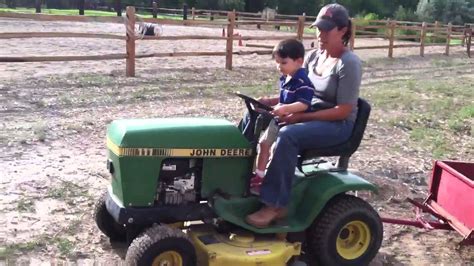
(340, 85)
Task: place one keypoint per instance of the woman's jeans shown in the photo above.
(276, 188)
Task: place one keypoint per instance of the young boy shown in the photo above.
(296, 92)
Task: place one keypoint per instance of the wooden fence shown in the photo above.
(419, 33)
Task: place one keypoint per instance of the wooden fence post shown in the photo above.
(464, 32)
(448, 37)
(130, 62)
(193, 13)
(422, 39)
(80, 6)
(391, 35)
(154, 6)
(118, 8)
(435, 32)
(38, 6)
(300, 29)
(468, 41)
(230, 40)
(185, 11)
(353, 34)
(387, 26)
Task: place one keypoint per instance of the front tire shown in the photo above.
(347, 232)
(161, 245)
(106, 223)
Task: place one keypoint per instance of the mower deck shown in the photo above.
(240, 247)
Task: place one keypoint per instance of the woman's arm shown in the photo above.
(339, 112)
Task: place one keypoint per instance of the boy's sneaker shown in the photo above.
(255, 183)
(256, 180)
(255, 191)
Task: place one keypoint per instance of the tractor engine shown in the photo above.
(178, 182)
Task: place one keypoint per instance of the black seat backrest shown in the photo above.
(347, 148)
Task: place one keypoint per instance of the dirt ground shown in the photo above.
(54, 116)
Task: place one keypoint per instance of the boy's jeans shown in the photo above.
(276, 188)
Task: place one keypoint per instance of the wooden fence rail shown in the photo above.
(386, 29)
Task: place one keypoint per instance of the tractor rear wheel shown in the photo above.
(347, 232)
(106, 223)
(161, 245)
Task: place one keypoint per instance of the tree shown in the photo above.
(455, 11)
(231, 4)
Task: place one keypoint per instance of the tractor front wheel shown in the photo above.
(106, 223)
(161, 245)
(347, 232)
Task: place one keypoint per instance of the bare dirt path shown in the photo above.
(54, 115)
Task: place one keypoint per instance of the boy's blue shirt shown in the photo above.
(298, 89)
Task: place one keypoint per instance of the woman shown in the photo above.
(336, 74)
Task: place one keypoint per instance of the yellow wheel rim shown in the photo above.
(168, 258)
(353, 240)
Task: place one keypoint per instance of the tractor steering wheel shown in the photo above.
(257, 117)
(251, 102)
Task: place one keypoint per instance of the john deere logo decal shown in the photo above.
(151, 152)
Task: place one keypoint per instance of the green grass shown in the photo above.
(66, 12)
(68, 192)
(9, 251)
(435, 113)
(75, 12)
(63, 245)
(25, 205)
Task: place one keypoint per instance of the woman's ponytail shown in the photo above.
(347, 36)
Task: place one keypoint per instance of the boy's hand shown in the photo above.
(280, 110)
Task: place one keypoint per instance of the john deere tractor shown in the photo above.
(180, 194)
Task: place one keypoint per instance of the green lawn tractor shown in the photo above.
(180, 194)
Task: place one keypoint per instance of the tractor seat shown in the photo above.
(345, 149)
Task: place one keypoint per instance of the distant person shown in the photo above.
(296, 92)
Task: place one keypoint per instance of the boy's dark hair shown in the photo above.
(291, 48)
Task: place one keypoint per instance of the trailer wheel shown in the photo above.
(347, 232)
(106, 222)
(161, 245)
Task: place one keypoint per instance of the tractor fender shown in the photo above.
(311, 193)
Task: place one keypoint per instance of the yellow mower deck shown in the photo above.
(240, 248)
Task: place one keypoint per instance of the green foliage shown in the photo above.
(405, 14)
(231, 4)
(455, 11)
(445, 11)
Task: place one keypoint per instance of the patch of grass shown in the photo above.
(10, 251)
(75, 12)
(264, 89)
(442, 62)
(25, 205)
(380, 61)
(40, 131)
(434, 112)
(68, 192)
(67, 12)
(74, 227)
(64, 246)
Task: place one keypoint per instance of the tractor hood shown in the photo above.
(175, 133)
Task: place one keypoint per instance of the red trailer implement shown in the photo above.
(450, 200)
